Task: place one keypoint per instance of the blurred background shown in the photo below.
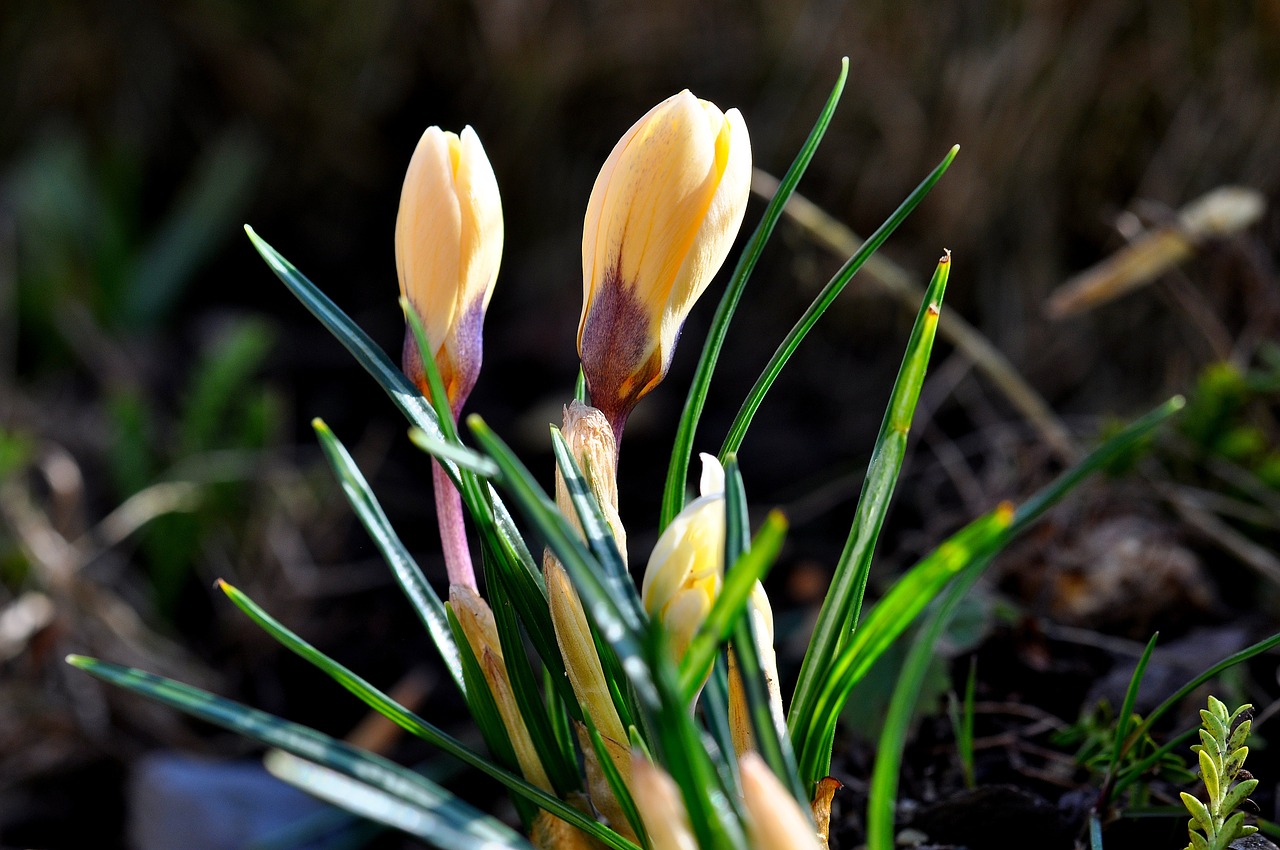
(157, 383)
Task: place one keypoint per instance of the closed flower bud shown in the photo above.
(777, 821)
(448, 247)
(662, 217)
(686, 568)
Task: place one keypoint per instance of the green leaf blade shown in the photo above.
(673, 496)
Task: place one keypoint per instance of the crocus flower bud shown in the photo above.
(777, 821)
(481, 631)
(686, 568)
(662, 217)
(448, 247)
(661, 807)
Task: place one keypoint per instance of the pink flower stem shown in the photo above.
(453, 532)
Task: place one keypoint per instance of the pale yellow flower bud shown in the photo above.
(448, 248)
(777, 821)
(686, 568)
(662, 217)
(477, 623)
(661, 806)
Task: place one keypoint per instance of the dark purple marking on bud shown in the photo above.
(620, 357)
(458, 375)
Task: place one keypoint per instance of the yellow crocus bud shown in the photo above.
(662, 217)
(448, 247)
(686, 568)
(661, 806)
(477, 623)
(761, 614)
(777, 821)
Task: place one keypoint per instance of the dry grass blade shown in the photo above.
(1223, 212)
(897, 282)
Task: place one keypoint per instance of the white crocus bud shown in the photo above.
(686, 569)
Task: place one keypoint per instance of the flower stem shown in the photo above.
(453, 532)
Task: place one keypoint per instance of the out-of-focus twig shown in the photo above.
(1188, 506)
(1223, 212)
(101, 621)
(898, 283)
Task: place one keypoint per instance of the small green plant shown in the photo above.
(1221, 752)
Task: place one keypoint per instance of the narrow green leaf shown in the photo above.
(825, 298)
(768, 728)
(614, 780)
(615, 623)
(449, 823)
(402, 392)
(1132, 774)
(1121, 743)
(560, 764)
(883, 794)
(1113, 447)
(891, 616)
(461, 456)
(714, 706)
(488, 511)
(558, 713)
(600, 539)
(309, 744)
(416, 725)
(840, 611)
(673, 495)
(680, 748)
(426, 603)
(1225, 664)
